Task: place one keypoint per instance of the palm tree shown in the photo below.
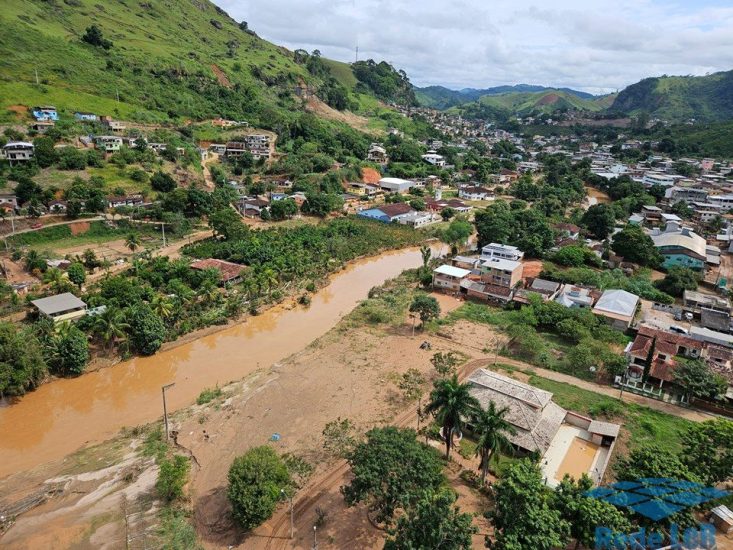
(162, 306)
(451, 404)
(110, 326)
(426, 254)
(133, 242)
(55, 279)
(209, 292)
(492, 429)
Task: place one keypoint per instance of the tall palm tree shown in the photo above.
(110, 326)
(492, 429)
(426, 254)
(451, 404)
(55, 279)
(133, 242)
(162, 306)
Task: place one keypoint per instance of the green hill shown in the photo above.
(677, 98)
(526, 103)
(439, 97)
(169, 59)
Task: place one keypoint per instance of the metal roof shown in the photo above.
(619, 302)
(452, 271)
(58, 303)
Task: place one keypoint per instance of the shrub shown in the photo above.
(208, 395)
(172, 477)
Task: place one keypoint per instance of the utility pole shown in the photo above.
(165, 409)
(162, 225)
(315, 540)
(356, 57)
(36, 71)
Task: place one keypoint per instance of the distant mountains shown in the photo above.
(439, 97)
(674, 98)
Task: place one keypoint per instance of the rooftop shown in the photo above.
(452, 271)
(618, 302)
(58, 304)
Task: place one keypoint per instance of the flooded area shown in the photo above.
(67, 414)
(595, 196)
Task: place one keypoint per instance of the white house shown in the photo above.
(434, 158)
(18, 151)
(475, 193)
(501, 251)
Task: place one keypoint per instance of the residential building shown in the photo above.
(18, 151)
(418, 219)
(501, 251)
(695, 302)
(543, 427)
(725, 202)
(567, 231)
(235, 149)
(108, 144)
(475, 193)
(617, 307)
(431, 157)
(251, 208)
(42, 126)
(501, 272)
(676, 194)
(86, 117)
(8, 202)
(47, 112)
(653, 352)
(62, 307)
(448, 277)
(652, 214)
(508, 176)
(387, 213)
(362, 189)
(547, 290)
(572, 296)
(680, 246)
(128, 200)
(113, 125)
(395, 185)
(658, 178)
(56, 206)
(229, 272)
(377, 154)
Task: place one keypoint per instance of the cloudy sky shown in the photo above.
(593, 45)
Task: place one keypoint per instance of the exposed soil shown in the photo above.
(221, 76)
(370, 175)
(315, 105)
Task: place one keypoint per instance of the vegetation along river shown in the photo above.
(64, 415)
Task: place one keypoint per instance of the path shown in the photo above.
(208, 178)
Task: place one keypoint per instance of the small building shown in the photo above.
(547, 290)
(431, 157)
(377, 154)
(8, 201)
(475, 193)
(45, 113)
(18, 151)
(127, 200)
(387, 213)
(501, 251)
(62, 307)
(229, 272)
(652, 214)
(572, 296)
(86, 117)
(42, 126)
(617, 307)
(252, 208)
(113, 125)
(448, 277)
(395, 185)
(108, 144)
(695, 302)
(57, 206)
(417, 219)
(680, 246)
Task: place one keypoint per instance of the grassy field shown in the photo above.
(60, 237)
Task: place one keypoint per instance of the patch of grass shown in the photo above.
(208, 395)
(154, 443)
(478, 313)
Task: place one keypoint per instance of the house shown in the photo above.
(541, 426)
(418, 219)
(680, 246)
(466, 262)
(362, 189)
(8, 202)
(617, 307)
(572, 296)
(387, 213)
(475, 193)
(42, 126)
(395, 185)
(108, 144)
(652, 214)
(567, 231)
(229, 272)
(431, 157)
(252, 208)
(113, 125)
(62, 307)
(18, 151)
(56, 206)
(45, 113)
(448, 277)
(508, 176)
(653, 352)
(218, 148)
(501, 251)
(235, 149)
(86, 117)
(438, 205)
(128, 200)
(547, 290)
(377, 154)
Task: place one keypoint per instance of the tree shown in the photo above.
(698, 380)
(44, 152)
(456, 234)
(172, 477)
(93, 36)
(133, 242)
(411, 384)
(599, 220)
(256, 481)
(451, 403)
(71, 351)
(584, 514)
(418, 204)
(283, 209)
(147, 331)
(321, 204)
(523, 516)
(160, 181)
(444, 363)
(434, 522)
(426, 307)
(636, 246)
(426, 255)
(650, 460)
(110, 326)
(56, 280)
(22, 366)
(447, 213)
(226, 223)
(677, 280)
(338, 437)
(709, 450)
(77, 274)
(491, 428)
(391, 470)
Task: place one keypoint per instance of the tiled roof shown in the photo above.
(228, 270)
(396, 209)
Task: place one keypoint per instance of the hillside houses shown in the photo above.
(17, 152)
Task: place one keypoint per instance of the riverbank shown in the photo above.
(45, 425)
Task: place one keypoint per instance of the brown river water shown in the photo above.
(64, 415)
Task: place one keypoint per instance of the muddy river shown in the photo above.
(64, 415)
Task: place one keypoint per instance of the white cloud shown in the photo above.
(593, 45)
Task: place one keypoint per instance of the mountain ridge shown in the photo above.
(441, 97)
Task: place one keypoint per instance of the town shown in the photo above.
(259, 298)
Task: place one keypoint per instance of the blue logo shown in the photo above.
(656, 498)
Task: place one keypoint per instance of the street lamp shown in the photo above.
(165, 409)
(283, 493)
(315, 540)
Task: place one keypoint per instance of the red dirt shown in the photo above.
(532, 269)
(549, 99)
(221, 76)
(370, 175)
(79, 228)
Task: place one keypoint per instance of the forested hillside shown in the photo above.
(439, 97)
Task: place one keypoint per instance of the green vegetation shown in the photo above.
(22, 365)
(172, 476)
(258, 480)
(384, 81)
(207, 395)
(452, 405)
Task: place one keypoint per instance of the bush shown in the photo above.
(147, 330)
(72, 352)
(208, 395)
(162, 182)
(256, 480)
(172, 477)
